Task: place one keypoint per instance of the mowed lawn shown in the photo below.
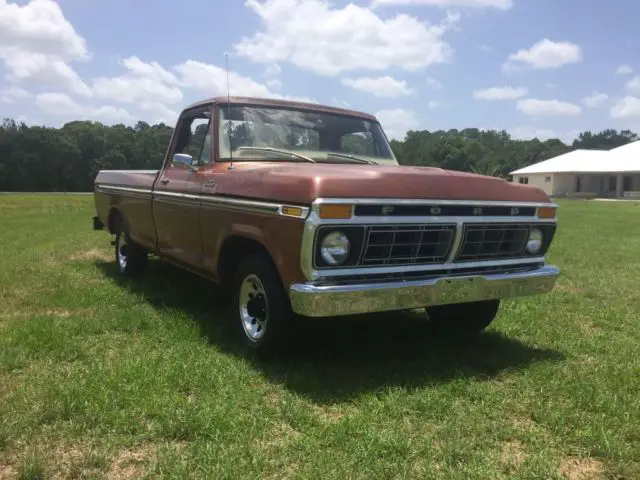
(104, 378)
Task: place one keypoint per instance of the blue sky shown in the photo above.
(533, 67)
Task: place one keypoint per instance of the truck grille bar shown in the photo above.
(407, 244)
(492, 241)
(387, 245)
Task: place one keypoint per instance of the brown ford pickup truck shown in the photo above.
(302, 210)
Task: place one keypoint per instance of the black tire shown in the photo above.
(131, 259)
(465, 319)
(261, 310)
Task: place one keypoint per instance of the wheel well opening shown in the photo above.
(114, 220)
(233, 250)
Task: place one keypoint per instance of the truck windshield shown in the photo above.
(268, 133)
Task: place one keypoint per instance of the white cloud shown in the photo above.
(315, 36)
(37, 43)
(39, 26)
(633, 85)
(159, 113)
(46, 71)
(380, 87)
(339, 103)
(396, 122)
(595, 100)
(11, 94)
(529, 133)
(272, 74)
(154, 89)
(542, 134)
(274, 83)
(548, 108)
(624, 70)
(109, 114)
(499, 4)
(60, 104)
(212, 79)
(152, 70)
(143, 82)
(628, 107)
(545, 54)
(500, 93)
(432, 82)
(434, 104)
(273, 70)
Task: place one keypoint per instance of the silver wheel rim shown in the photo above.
(122, 251)
(254, 311)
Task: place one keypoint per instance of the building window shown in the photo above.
(547, 179)
(523, 180)
(612, 184)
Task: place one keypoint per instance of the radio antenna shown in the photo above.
(226, 56)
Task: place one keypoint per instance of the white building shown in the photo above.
(587, 173)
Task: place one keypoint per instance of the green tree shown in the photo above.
(36, 158)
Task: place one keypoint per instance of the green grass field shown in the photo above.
(104, 378)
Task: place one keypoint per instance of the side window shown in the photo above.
(195, 138)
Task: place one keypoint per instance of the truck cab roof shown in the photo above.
(273, 102)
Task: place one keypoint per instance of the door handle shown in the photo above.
(164, 182)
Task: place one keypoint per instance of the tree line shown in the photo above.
(67, 159)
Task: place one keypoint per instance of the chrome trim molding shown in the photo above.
(355, 220)
(117, 189)
(343, 272)
(239, 205)
(457, 241)
(411, 201)
(210, 201)
(132, 192)
(144, 172)
(313, 221)
(331, 300)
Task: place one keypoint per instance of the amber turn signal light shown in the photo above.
(334, 212)
(546, 212)
(292, 211)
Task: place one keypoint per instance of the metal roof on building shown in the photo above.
(621, 159)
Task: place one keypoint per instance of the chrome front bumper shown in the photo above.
(313, 300)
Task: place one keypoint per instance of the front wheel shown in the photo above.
(469, 318)
(131, 259)
(262, 312)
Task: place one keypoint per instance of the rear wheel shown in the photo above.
(131, 259)
(463, 318)
(262, 312)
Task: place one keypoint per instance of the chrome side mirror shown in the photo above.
(183, 158)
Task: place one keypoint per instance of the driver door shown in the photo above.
(176, 196)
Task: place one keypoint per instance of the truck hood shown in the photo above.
(304, 183)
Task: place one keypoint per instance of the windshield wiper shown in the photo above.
(351, 157)
(277, 150)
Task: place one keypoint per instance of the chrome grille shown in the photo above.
(493, 241)
(407, 244)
